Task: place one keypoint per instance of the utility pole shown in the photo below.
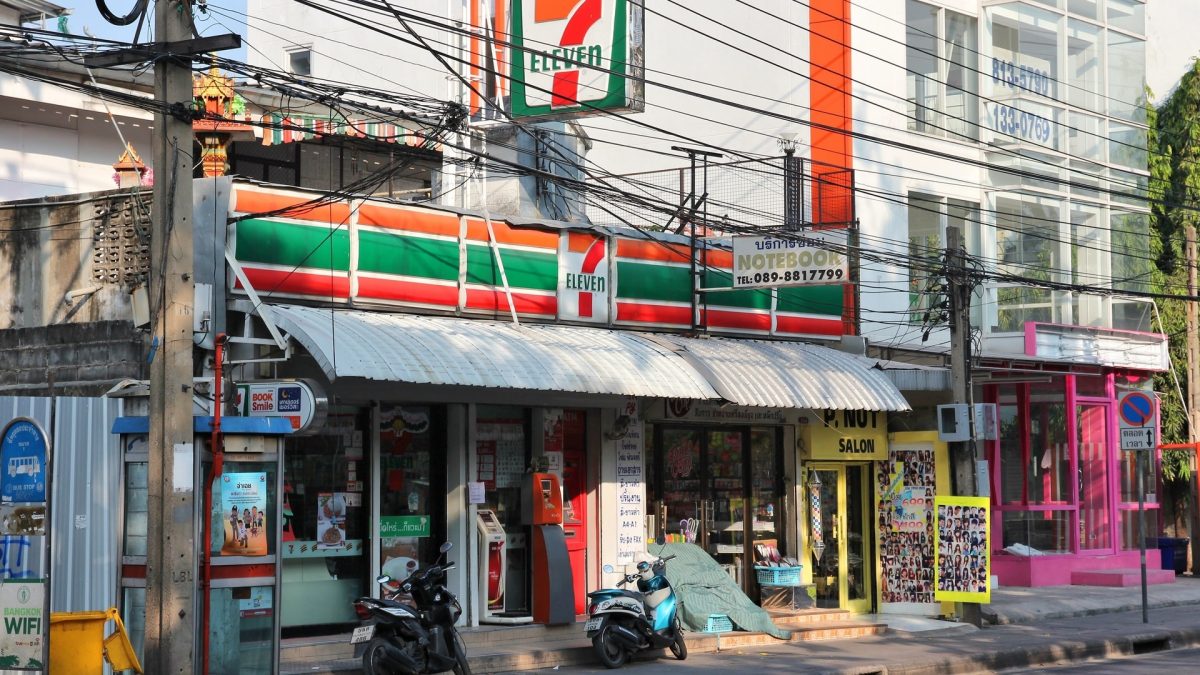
(171, 510)
(962, 453)
(171, 554)
(1193, 388)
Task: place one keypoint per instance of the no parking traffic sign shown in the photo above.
(1136, 412)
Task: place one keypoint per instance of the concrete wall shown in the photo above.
(93, 248)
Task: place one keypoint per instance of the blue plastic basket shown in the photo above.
(778, 576)
(718, 623)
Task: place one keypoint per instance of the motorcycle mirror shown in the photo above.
(608, 569)
(445, 547)
(383, 579)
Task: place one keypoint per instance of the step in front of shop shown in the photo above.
(1120, 577)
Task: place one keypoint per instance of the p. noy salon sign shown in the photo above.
(846, 435)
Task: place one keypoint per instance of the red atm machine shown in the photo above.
(553, 585)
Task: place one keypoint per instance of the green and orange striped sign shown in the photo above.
(408, 256)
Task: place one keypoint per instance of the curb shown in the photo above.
(1041, 655)
(1001, 619)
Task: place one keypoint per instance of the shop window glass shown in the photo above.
(1126, 77)
(1089, 263)
(1085, 140)
(924, 243)
(1129, 476)
(1049, 469)
(764, 480)
(325, 528)
(133, 615)
(1129, 529)
(922, 62)
(1027, 246)
(1127, 145)
(1012, 455)
(1127, 15)
(1044, 531)
(502, 454)
(1024, 51)
(136, 507)
(1085, 70)
(1085, 8)
(242, 621)
(1129, 187)
(412, 488)
(942, 65)
(962, 106)
(1132, 265)
(1094, 455)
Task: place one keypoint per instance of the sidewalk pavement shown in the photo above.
(1034, 628)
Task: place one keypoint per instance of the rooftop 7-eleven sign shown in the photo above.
(572, 57)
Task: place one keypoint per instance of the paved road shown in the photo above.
(1174, 661)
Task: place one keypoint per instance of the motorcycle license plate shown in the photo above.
(593, 623)
(362, 634)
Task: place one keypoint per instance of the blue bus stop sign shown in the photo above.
(23, 463)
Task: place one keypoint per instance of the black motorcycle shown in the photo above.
(411, 629)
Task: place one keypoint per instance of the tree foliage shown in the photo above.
(1174, 156)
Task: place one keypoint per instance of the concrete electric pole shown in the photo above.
(171, 554)
(171, 559)
(963, 453)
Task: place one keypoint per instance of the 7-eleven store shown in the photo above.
(440, 400)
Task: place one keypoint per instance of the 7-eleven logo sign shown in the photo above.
(569, 56)
(583, 281)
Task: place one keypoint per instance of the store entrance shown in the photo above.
(840, 535)
(720, 488)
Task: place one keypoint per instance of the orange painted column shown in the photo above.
(830, 104)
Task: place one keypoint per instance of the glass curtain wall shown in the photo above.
(1064, 85)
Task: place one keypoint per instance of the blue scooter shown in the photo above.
(622, 622)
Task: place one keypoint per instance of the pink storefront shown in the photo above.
(1064, 493)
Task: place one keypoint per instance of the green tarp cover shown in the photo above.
(704, 588)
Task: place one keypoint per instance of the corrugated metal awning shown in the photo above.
(789, 374)
(495, 354)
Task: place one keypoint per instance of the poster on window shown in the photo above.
(911, 509)
(331, 520)
(963, 562)
(905, 523)
(244, 507)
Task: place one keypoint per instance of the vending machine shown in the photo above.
(492, 565)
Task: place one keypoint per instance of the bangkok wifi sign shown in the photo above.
(576, 57)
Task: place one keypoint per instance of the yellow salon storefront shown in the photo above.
(838, 450)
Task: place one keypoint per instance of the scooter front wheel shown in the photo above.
(611, 653)
(461, 667)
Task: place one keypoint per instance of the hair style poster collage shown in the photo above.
(905, 485)
(963, 547)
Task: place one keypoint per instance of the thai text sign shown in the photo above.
(803, 259)
(404, 526)
(575, 57)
